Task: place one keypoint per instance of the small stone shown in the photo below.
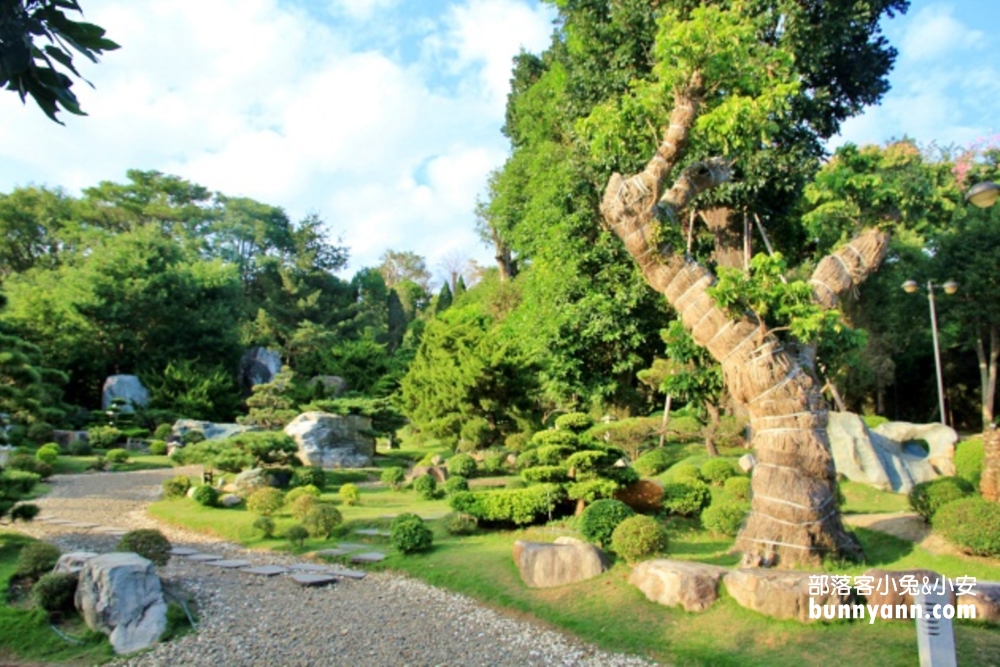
(203, 558)
(265, 570)
(308, 567)
(348, 574)
(352, 546)
(368, 557)
(334, 553)
(307, 579)
(229, 564)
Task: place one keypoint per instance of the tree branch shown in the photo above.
(848, 267)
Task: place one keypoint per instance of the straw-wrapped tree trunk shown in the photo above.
(794, 517)
(989, 483)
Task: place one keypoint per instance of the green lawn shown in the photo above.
(865, 499)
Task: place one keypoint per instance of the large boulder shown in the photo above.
(333, 441)
(694, 586)
(986, 600)
(211, 430)
(867, 456)
(778, 594)
(73, 562)
(119, 594)
(940, 440)
(645, 496)
(567, 561)
(333, 385)
(438, 472)
(889, 588)
(250, 480)
(258, 365)
(126, 387)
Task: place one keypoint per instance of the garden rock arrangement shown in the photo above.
(333, 441)
(259, 365)
(778, 594)
(211, 430)
(566, 561)
(126, 387)
(694, 586)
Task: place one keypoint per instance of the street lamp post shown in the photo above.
(950, 287)
(983, 194)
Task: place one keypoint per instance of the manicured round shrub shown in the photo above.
(28, 463)
(19, 482)
(80, 448)
(36, 559)
(176, 487)
(927, 498)
(576, 422)
(40, 432)
(266, 501)
(102, 437)
(265, 525)
(459, 523)
(601, 517)
(24, 512)
(426, 487)
(969, 455)
(553, 437)
(350, 494)
(309, 475)
(494, 463)
(393, 477)
(408, 534)
(684, 472)
(528, 459)
(516, 442)
(157, 448)
(717, 471)
(48, 453)
(553, 455)
(297, 535)
(299, 491)
(540, 474)
(149, 543)
(55, 591)
(206, 496)
(301, 505)
(192, 437)
(687, 498)
(462, 465)
(117, 456)
(322, 520)
(738, 487)
(724, 518)
(971, 523)
(475, 433)
(654, 462)
(639, 537)
(455, 484)
(163, 432)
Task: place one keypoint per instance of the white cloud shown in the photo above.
(361, 9)
(933, 33)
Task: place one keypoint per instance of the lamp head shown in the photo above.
(910, 286)
(983, 194)
(950, 287)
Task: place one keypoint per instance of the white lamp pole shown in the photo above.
(950, 287)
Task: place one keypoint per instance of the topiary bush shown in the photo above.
(552, 437)
(969, 455)
(408, 534)
(80, 448)
(528, 459)
(117, 456)
(206, 496)
(971, 523)
(458, 523)
(494, 463)
(157, 448)
(600, 519)
(192, 437)
(350, 494)
(36, 559)
(40, 432)
(545, 474)
(27, 463)
(19, 482)
(717, 471)
(163, 432)
(515, 483)
(24, 512)
(684, 472)
(48, 453)
(516, 442)
(301, 505)
(322, 519)
(455, 484)
(576, 422)
(724, 518)
(297, 535)
(149, 543)
(265, 525)
(462, 465)
(639, 537)
(102, 437)
(393, 477)
(55, 592)
(738, 488)
(299, 491)
(927, 498)
(176, 487)
(553, 455)
(309, 476)
(426, 487)
(654, 462)
(266, 501)
(687, 497)
(519, 506)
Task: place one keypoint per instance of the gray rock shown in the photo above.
(694, 586)
(249, 481)
(545, 564)
(333, 385)
(333, 441)
(119, 594)
(778, 594)
(940, 440)
(265, 570)
(127, 387)
(211, 430)
(866, 456)
(258, 365)
(747, 462)
(66, 438)
(73, 561)
(986, 600)
(230, 500)
(438, 472)
(888, 587)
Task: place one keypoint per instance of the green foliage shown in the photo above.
(455, 484)
(630, 434)
(685, 471)
(518, 506)
(686, 498)
(517, 441)
(588, 461)
(927, 498)
(40, 432)
(36, 559)
(971, 523)
(654, 462)
(555, 438)
(408, 534)
(192, 437)
(265, 525)
(592, 489)
(55, 592)
(243, 451)
(48, 453)
(639, 537)
(600, 519)
(17, 483)
(576, 422)
(475, 433)
(103, 437)
(309, 476)
(117, 455)
(80, 448)
(724, 518)
(266, 501)
(545, 474)
(24, 512)
(969, 455)
(176, 487)
(297, 535)
(426, 487)
(193, 391)
(350, 494)
(322, 519)
(738, 487)
(158, 448)
(299, 491)
(386, 416)
(271, 405)
(494, 463)
(458, 523)
(163, 432)
(394, 476)
(462, 465)
(527, 459)
(717, 470)
(206, 496)
(149, 543)
(300, 506)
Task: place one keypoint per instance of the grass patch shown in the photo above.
(866, 499)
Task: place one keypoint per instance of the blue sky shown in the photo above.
(384, 116)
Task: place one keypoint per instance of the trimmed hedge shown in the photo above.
(969, 456)
(409, 534)
(738, 487)
(971, 523)
(724, 518)
(426, 487)
(548, 473)
(309, 476)
(394, 477)
(455, 484)
(717, 471)
(36, 559)
(552, 437)
(654, 462)
(927, 498)
(600, 519)
(149, 543)
(206, 496)
(687, 497)
(55, 591)
(639, 537)
(517, 506)
(576, 422)
(265, 501)
(685, 472)
(462, 465)
(176, 487)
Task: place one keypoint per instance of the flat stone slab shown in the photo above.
(265, 570)
(80, 524)
(230, 564)
(308, 567)
(334, 553)
(203, 558)
(60, 522)
(351, 546)
(372, 532)
(183, 551)
(368, 557)
(348, 574)
(111, 530)
(307, 579)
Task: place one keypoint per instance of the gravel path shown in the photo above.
(382, 620)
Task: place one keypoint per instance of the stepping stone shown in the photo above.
(372, 532)
(348, 574)
(351, 546)
(265, 570)
(308, 567)
(203, 558)
(368, 557)
(230, 564)
(80, 525)
(333, 553)
(60, 522)
(183, 551)
(112, 530)
(307, 579)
